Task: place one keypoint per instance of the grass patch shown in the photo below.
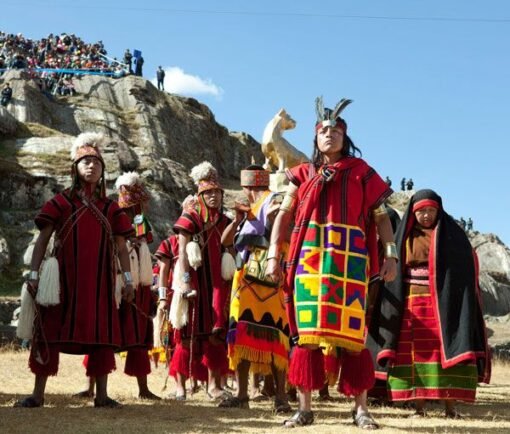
(30, 129)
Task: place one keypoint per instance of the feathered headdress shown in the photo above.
(205, 177)
(327, 117)
(87, 144)
(131, 190)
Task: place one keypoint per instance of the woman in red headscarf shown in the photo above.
(428, 329)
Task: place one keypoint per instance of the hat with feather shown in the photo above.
(87, 145)
(327, 117)
(131, 190)
(205, 177)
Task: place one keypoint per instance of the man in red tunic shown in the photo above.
(136, 323)
(337, 205)
(90, 230)
(201, 226)
(137, 328)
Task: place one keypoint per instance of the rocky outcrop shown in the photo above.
(8, 124)
(159, 135)
(494, 260)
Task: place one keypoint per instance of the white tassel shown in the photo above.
(178, 315)
(119, 284)
(145, 264)
(159, 322)
(135, 268)
(26, 316)
(48, 293)
(228, 266)
(194, 254)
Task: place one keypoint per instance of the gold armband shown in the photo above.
(288, 202)
(273, 251)
(390, 250)
(380, 212)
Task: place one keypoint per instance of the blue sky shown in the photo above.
(430, 80)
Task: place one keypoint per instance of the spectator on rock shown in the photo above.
(128, 57)
(388, 181)
(138, 66)
(463, 223)
(160, 75)
(6, 95)
(403, 184)
(410, 184)
(469, 224)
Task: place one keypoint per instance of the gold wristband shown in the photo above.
(380, 212)
(273, 252)
(288, 202)
(390, 250)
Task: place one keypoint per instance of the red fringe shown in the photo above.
(85, 361)
(307, 369)
(180, 361)
(215, 358)
(50, 368)
(137, 363)
(101, 362)
(199, 371)
(357, 373)
(332, 365)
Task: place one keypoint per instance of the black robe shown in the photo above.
(453, 276)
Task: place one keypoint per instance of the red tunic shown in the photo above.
(211, 302)
(87, 314)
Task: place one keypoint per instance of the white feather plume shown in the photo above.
(128, 178)
(95, 140)
(204, 170)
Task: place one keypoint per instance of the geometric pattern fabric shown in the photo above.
(331, 284)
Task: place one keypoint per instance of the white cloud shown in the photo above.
(182, 83)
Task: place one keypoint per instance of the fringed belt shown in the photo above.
(417, 276)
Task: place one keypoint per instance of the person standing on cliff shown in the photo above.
(160, 76)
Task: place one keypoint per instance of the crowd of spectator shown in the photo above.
(55, 52)
(67, 54)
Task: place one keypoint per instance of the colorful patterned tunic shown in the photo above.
(331, 249)
(258, 326)
(87, 314)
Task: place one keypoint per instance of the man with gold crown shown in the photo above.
(337, 205)
(90, 231)
(198, 309)
(258, 335)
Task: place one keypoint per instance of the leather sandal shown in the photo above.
(300, 418)
(281, 406)
(149, 396)
(418, 414)
(29, 402)
(364, 421)
(452, 414)
(234, 402)
(107, 403)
